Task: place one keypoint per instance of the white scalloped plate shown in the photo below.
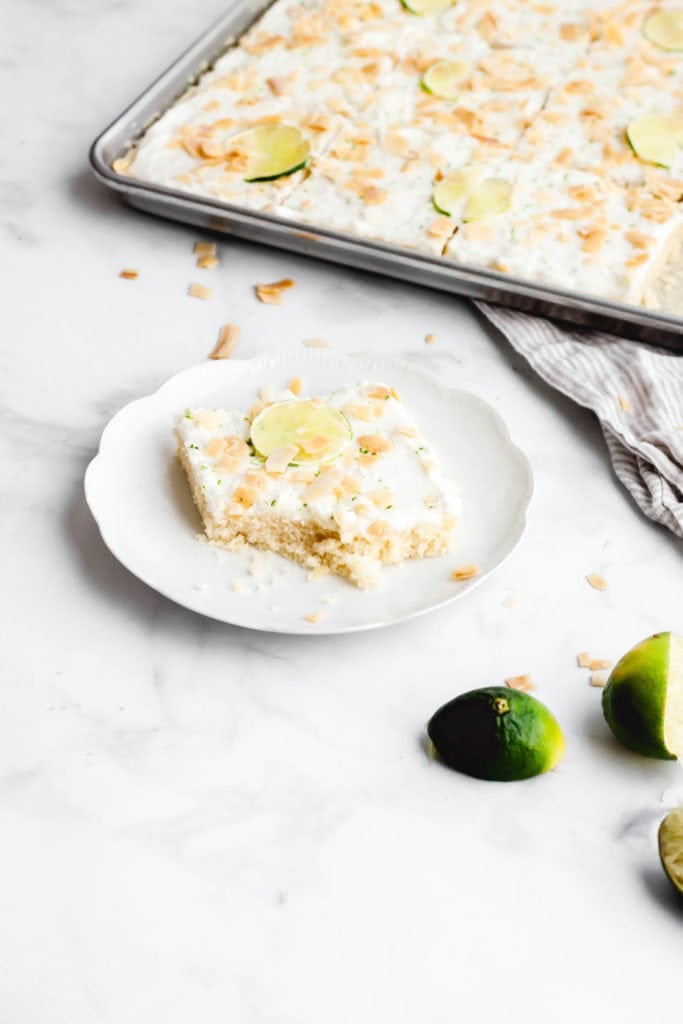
(140, 498)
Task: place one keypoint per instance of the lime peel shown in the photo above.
(444, 78)
(665, 29)
(670, 840)
(317, 431)
(271, 151)
(655, 138)
(498, 734)
(643, 699)
(425, 7)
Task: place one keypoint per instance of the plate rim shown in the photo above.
(120, 422)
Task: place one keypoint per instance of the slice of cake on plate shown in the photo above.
(345, 483)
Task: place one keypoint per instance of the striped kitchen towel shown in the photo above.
(635, 391)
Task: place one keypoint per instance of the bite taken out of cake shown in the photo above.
(343, 483)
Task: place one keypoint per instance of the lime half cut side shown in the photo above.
(643, 700)
(318, 431)
(665, 29)
(271, 151)
(425, 7)
(489, 199)
(671, 847)
(445, 78)
(655, 138)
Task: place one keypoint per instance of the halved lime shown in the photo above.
(424, 7)
(488, 200)
(449, 192)
(656, 138)
(665, 29)
(643, 699)
(317, 430)
(271, 151)
(671, 847)
(445, 78)
(497, 733)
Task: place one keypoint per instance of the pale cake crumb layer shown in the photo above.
(382, 500)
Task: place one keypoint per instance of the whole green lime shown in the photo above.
(643, 700)
(671, 847)
(497, 733)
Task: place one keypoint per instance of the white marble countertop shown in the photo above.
(208, 825)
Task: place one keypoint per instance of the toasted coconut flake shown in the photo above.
(379, 529)
(598, 679)
(228, 464)
(121, 164)
(406, 431)
(358, 412)
(314, 445)
(204, 249)
(207, 262)
(315, 617)
(375, 444)
(583, 659)
(228, 336)
(523, 683)
(624, 403)
(214, 447)
(465, 572)
(244, 496)
(295, 385)
(199, 291)
(258, 480)
(321, 487)
(347, 487)
(430, 339)
(128, 274)
(316, 343)
(317, 573)
(278, 460)
(596, 581)
(272, 294)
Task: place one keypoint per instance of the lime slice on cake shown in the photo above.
(656, 138)
(643, 699)
(449, 192)
(665, 29)
(424, 7)
(445, 78)
(497, 734)
(671, 847)
(317, 430)
(271, 151)
(489, 199)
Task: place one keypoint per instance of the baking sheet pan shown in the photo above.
(476, 282)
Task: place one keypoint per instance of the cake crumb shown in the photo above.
(207, 262)
(129, 274)
(228, 336)
(624, 403)
(237, 586)
(596, 581)
(523, 683)
(204, 249)
(321, 343)
(199, 291)
(272, 294)
(295, 385)
(315, 617)
(430, 339)
(464, 572)
(598, 679)
(510, 601)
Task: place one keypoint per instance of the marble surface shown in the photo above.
(202, 824)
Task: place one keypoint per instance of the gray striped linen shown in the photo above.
(635, 391)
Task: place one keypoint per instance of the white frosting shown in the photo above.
(403, 487)
(552, 88)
